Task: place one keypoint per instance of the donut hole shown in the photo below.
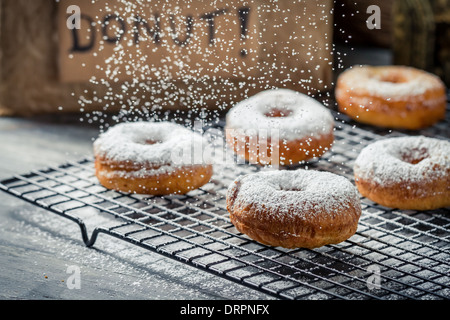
(151, 142)
(278, 113)
(295, 189)
(393, 78)
(414, 156)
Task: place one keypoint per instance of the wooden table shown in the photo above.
(37, 247)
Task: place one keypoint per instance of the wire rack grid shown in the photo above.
(393, 255)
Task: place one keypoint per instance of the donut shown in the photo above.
(396, 97)
(154, 158)
(279, 127)
(409, 173)
(294, 208)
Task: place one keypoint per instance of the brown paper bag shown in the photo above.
(159, 54)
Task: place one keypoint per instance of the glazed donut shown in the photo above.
(150, 158)
(279, 127)
(394, 97)
(294, 209)
(405, 172)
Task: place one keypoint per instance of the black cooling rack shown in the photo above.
(394, 254)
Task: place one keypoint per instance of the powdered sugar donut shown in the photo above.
(301, 208)
(279, 126)
(154, 158)
(405, 172)
(391, 96)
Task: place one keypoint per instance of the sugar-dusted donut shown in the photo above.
(155, 158)
(396, 97)
(279, 127)
(292, 209)
(410, 172)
